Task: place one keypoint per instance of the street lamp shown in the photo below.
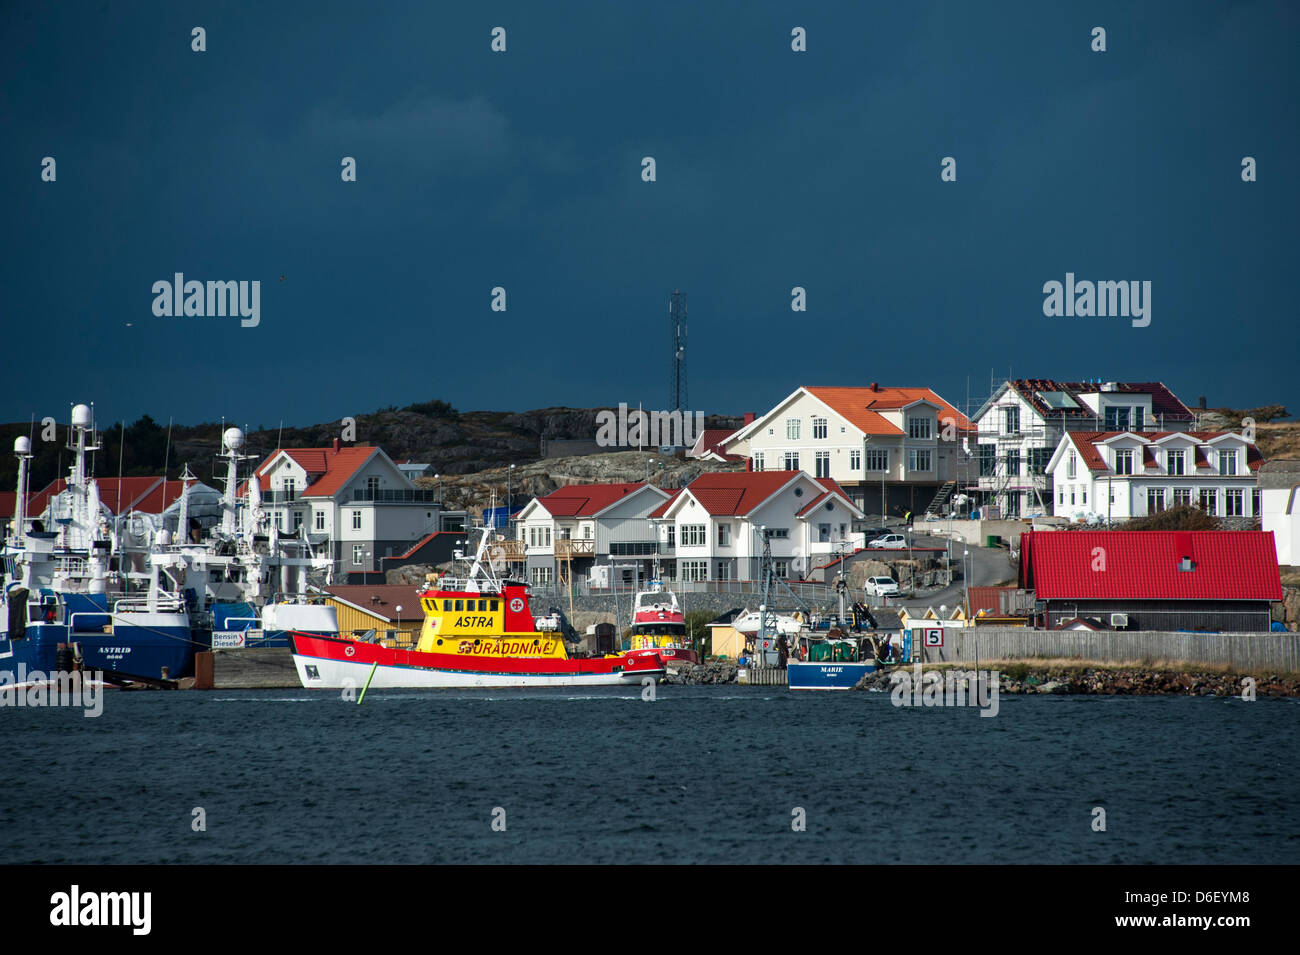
(509, 492)
(399, 621)
(438, 478)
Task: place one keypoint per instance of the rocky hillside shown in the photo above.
(433, 432)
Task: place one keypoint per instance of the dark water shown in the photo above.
(702, 774)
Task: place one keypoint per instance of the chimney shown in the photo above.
(749, 464)
(1201, 404)
(749, 417)
(875, 386)
(336, 445)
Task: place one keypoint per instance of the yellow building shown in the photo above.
(393, 612)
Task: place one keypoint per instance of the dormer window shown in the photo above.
(1228, 462)
(1124, 461)
(1176, 462)
(920, 428)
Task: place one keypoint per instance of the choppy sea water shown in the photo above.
(701, 774)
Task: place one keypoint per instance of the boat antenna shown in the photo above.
(121, 448)
(167, 457)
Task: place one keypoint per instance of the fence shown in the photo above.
(813, 590)
(1255, 651)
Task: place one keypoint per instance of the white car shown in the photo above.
(881, 587)
(890, 541)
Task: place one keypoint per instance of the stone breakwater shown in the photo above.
(701, 674)
(1125, 681)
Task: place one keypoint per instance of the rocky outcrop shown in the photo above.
(701, 674)
(1023, 679)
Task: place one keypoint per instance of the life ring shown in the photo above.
(662, 615)
(517, 605)
(349, 650)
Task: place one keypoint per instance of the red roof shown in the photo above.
(712, 440)
(328, 469)
(119, 495)
(1164, 403)
(861, 407)
(382, 600)
(737, 493)
(1144, 565)
(987, 598)
(1085, 442)
(672, 496)
(584, 500)
(8, 503)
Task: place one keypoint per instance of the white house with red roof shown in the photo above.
(1117, 475)
(882, 445)
(353, 497)
(715, 525)
(587, 524)
(1022, 423)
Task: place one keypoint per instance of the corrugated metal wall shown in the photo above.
(1237, 616)
(353, 622)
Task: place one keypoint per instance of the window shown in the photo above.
(823, 464)
(778, 533)
(781, 568)
(1138, 417)
(724, 535)
(1254, 501)
(790, 461)
(1124, 461)
(1071, 463)
(1038, 458)
(1062, 497)
(672, 535)
(694, 569)
(1013, 505)
(758, 461)
(356, 520)
(297, 519)
(1209, 500)
(372, 485)
(1182, 497)
(855, 460)
(1228, 462)
(919, 460)
(877, 459)
(724, 570)
(540, 576)
(792, 428)
(1011, 420)
(693, 535)
(918, 428)
(988, 460)
(1084, 489)
(1155, 500)
(1234, 505)
(819, 428)
(290, 488)
(1013, 463)
(823, 533)
(320, 520)
(1175, 462)
(358, 554)
(1117, 419)
(1072, 495)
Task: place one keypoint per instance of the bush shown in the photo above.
(1180, 518)
(435, 408)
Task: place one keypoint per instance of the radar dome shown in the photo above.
(81, 416)
(233, 439)
(22, 445)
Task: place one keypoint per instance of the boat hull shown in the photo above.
(826, 676)
(332, 663)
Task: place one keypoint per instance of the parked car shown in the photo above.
(881, 587)
(891, 541)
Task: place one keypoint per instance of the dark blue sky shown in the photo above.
(522, 169)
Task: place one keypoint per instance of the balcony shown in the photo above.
(568, 548)
(396, 496)
(508, 550)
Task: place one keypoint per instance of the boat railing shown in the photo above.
(164, 603)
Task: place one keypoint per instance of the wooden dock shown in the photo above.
(762, 676)
(261, 668)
